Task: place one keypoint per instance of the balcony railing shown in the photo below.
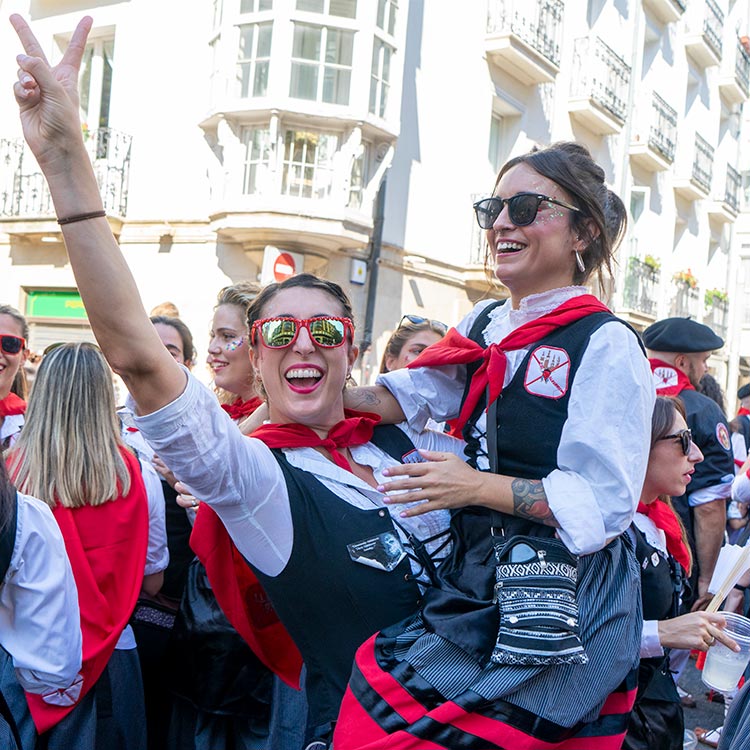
(539, 24)
(663, 133)
(713, 24)
(732, 189)
(742, 68)
(703, 163)
(717, 317)
(641, 284)
(602, 75)
(23, 188)
(685, 301)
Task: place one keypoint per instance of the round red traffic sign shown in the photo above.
(283, 267)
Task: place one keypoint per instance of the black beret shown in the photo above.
(744, 391)
(680, 335)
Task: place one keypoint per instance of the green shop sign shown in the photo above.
(55, 305)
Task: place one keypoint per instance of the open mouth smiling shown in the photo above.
(506, 246)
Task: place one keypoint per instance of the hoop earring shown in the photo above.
(579, 262)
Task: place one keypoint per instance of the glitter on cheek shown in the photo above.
(235, 344)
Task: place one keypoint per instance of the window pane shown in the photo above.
(246, 42)
(392, 17)
(108, 48)
(339, 47)
(343, 8)
(85, 80)
(383, 99)
(265, 5)
(386, 74)
(306, 42)
(313, 6)
(304, 81)
(336, 86)
(247, 6)
(264, 39)
(381, 13)
(260, 84)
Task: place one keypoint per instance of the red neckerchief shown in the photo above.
(743, 411)
(355, 429)
(665, 518)
(456, 349)
(669, 380)
(106, 546)
(235, 586)
(240, 409)
(12, 405)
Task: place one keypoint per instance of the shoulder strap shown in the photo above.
(393, 440)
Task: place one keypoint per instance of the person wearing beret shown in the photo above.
(678, 350)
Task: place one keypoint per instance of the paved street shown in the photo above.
(706, 714)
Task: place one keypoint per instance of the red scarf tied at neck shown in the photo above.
(668, 379)
(456, 349)
(743, 412)
(240, 409)
(355, 429)
(665, 518)
(12, 405)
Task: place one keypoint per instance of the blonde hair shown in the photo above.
(241, 295)
(69, 449)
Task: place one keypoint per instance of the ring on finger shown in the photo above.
(195, 503)
(712, 641)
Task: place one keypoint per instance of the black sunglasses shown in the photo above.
(12, 344)
(418, 320)
(522, 208)
(685, 438)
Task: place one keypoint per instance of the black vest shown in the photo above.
(330, 604)
(529, 426)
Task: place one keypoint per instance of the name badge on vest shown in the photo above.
(548, 372)
(383, 551)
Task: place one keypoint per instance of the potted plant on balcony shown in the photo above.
(687, 278)
(715, 298)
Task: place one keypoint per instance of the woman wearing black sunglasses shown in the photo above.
(664, 559)
(554, 397)
(14, 332)
(301, 501)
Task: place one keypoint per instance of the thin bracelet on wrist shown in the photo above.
(81, 217)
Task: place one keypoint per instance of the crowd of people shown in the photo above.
(506, 542)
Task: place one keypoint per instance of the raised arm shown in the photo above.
(47, 98)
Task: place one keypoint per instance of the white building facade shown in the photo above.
(256, 138)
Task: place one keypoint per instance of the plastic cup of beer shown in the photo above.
(724, 667)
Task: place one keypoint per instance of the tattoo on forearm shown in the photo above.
(359, 397)
(530, 502)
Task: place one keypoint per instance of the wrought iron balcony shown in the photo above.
(600, 86)
(734, 84)
(726, 205)
(524, 38)
(717, 317)
(705, 46)
(686, 301)
(641, 286)
(23, 189)
(657, 153)
(698, 185)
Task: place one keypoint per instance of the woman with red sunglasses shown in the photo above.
(300, 500)
(14, 333)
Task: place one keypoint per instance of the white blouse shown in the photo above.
(241, 479)
(604, 446)
(39, 616)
